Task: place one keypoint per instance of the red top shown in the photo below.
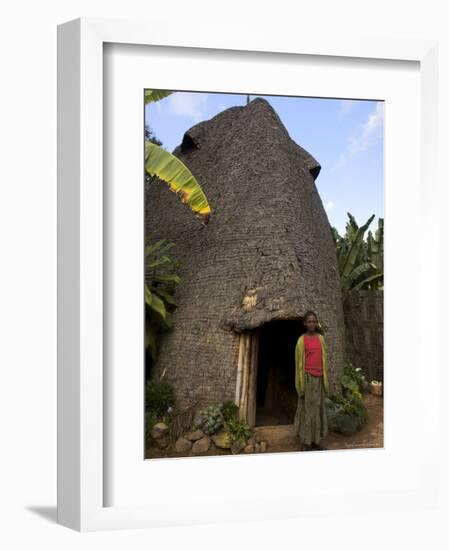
(313, 364)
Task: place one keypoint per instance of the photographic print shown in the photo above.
(263, 273)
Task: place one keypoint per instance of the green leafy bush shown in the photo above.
(345, 412)
(238, 430)
(158, 397)
(354, 381)
(222, 416)
(229, 410)
(209, 420)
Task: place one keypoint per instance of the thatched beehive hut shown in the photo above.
(266, 256)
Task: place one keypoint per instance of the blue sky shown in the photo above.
(345, 136)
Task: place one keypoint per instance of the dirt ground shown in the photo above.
(282, 439)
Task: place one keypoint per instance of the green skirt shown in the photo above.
(310, 422)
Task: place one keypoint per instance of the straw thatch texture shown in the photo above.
(267, 252)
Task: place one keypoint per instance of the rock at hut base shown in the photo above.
(222, 440)
(194, 435)
(161, 442)
(182, 445)
(237, 447)
(201, 445)
(159, 430)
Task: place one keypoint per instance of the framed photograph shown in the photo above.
(231, 285)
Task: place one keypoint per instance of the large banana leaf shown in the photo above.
(153, 248)
(157, 262)
(360, 273)
(167, 278)
(155, 95)
(342, 254)
(379, 258)
(155, 303)
(170, 169)
(351, 227)
(354, 250)
(377, 278)
(163, 294)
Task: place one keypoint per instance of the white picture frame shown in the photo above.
(82, 393)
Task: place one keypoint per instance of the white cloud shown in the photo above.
(370, 131)
(188, 104)
(346, 106)
(365, 137)
(329, 206)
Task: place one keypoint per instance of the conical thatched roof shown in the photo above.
(267, 252)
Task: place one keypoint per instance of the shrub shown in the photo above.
(354, 381)
(209, 420)
(345, 412)
(238, 430)
(158, 397)
(229, 410)
(222, 416)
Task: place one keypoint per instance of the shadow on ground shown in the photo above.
(47, 512)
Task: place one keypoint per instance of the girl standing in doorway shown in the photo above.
(312, 385)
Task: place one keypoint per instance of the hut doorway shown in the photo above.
(276, 397)
(266, 393)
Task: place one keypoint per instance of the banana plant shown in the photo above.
(161, 281)
(155, 95)
(360, 262)
(376, 255)
(350, 261)
(160, 285)
(175, 173)
(168, 168)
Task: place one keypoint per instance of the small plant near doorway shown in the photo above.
(222, 417)
(238, 430)
(209, 420)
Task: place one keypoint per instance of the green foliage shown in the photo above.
(149, 136)
(229, 410)
(238, 430)
(158, 398)
(161, 280)
(168, 168)
(360, 262)
(358, 376)
(219, 417)
(209, 420)
(354, 381)
(345, 412)
(171, 170)
(151, 96)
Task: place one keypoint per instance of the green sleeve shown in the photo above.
(299, 366)
(325, 363)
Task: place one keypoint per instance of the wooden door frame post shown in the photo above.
(246, 384)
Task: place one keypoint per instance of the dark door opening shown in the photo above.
(276, 399)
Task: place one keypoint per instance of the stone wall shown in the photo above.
(363, 312)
